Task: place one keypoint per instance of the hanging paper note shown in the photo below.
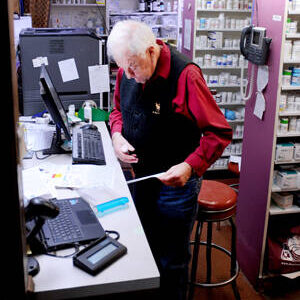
(260, 105)
(99, 79)
(68, 70)
(187, 34)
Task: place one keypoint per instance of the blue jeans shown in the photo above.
(167, 215)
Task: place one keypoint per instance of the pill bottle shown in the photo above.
(284, 125)
(292, 124)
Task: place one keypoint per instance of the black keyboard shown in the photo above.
(76, 223)
(63, 228)
(87, 147)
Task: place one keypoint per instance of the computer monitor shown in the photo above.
(56, 110)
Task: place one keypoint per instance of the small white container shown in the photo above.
(88, 112)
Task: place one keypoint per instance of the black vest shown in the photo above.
(161, 137)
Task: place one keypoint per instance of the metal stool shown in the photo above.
(216, 202)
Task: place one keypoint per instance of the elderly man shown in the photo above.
(164, 120)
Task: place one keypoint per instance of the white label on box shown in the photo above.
(38, 61)
(284, 153)
(287, 181)
(297, 152)
(276, 18)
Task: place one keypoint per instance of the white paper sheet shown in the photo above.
(262, 81)
(145, 178)
(77, 176)
(262, 77)
(38, 61)
(260, 105)
(187, 34)
(68, 70)
(99, 79)
(35, 184)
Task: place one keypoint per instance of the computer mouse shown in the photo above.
(89, 126)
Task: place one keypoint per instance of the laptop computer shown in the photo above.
(75, 223)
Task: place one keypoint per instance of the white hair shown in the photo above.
(131, 37)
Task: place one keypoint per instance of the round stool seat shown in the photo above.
(216, 200)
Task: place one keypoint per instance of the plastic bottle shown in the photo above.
(156, 5)
(169, 6)
(175, 5)
(71, 110)
(142, 5)
(284, 125)
(88, 112)
(222, 20)
(150, 6)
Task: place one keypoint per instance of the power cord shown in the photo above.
(41, 158)
(109, 232)
(77, 249)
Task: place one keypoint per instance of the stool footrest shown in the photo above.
(222, 283)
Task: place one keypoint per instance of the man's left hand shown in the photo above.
(177, 175)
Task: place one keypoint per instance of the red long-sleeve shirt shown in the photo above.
(193, 100)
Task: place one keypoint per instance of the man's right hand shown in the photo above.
(123, 148)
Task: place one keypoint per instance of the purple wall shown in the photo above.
(257, 150)
(188, 13)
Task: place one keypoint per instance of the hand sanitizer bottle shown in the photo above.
(88, 112)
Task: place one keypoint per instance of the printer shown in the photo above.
(50, 46)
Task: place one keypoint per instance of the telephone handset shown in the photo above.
(254, 44)
(36, 212)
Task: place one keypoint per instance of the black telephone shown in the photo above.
(254, 44)
(36, 212)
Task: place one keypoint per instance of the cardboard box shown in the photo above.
(285, 152)
(283, 200)
(297, 151)
(287, 179)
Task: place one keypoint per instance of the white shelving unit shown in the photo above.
(275, 210)
(138, 13)
(65, 13)
(224, 10)
(288, 92)
(165, 24)
(226, 24)
(290, 136)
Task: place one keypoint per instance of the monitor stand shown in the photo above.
(56, 144)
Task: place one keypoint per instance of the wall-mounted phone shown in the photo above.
(254, 46)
